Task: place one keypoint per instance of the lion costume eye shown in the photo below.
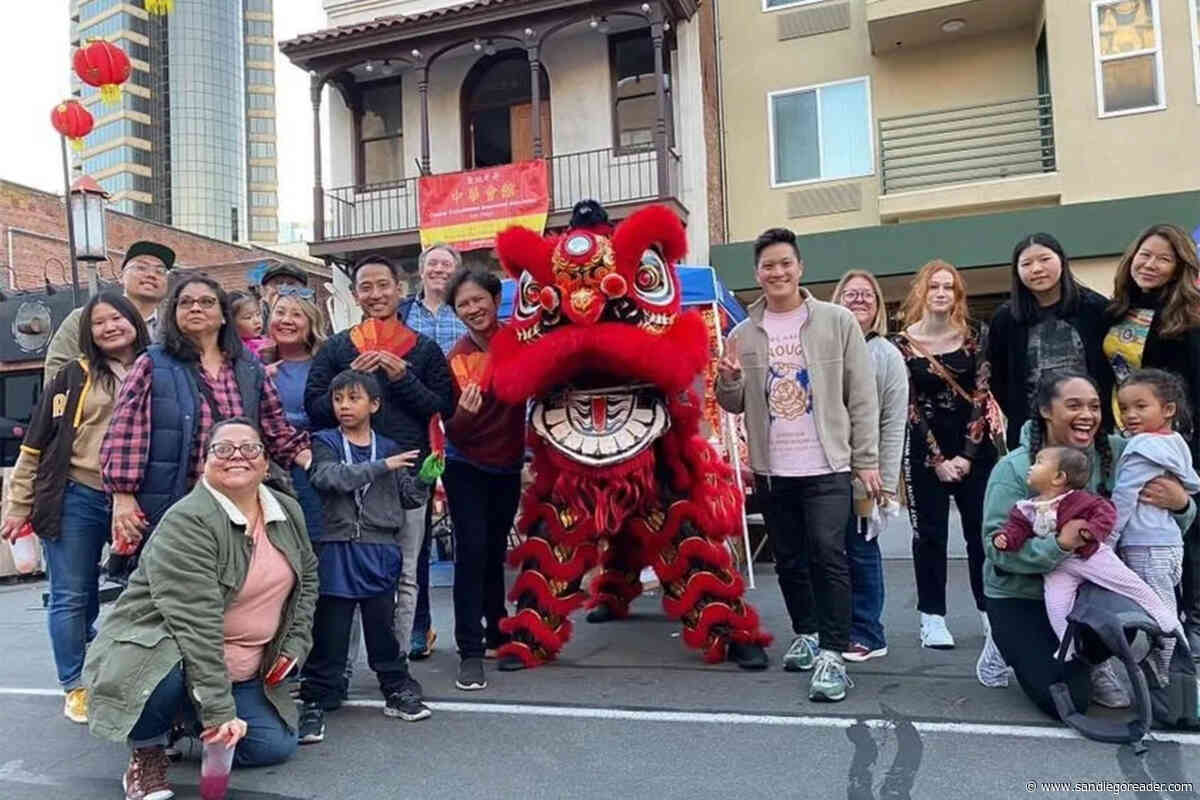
(528, 303)
(652, 281)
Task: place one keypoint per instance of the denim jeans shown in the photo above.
(806, 520)
(310, 504)
(267, 741)
(866, 586)
(73, 561)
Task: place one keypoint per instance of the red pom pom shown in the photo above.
(613, 285)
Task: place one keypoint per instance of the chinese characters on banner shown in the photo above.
(468, 209)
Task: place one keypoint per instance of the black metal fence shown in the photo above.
(610, 176)
(970, 143)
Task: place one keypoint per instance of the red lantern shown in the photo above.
(73, 121)
(104, 65)
(158, 7)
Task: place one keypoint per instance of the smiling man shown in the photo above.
(144, 281)
(428, 312)
(799, 370)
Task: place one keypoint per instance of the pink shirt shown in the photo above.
(794, 448)
(255, 615)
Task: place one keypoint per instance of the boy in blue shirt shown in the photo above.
(366, 549)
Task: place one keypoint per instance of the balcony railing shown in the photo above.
(966, 144)
(607, 175)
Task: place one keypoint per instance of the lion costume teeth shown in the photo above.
(601, 349)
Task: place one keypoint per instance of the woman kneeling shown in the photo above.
(220, 605)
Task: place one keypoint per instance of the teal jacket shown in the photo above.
(1008, 574)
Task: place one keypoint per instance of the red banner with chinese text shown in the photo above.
(468, 209)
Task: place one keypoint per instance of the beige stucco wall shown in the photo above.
(1139, 154)
(754, 63)
(1098, 158)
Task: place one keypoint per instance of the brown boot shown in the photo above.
(146, 776)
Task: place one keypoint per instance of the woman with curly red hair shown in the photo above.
(949, 451)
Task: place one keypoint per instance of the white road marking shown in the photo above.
(727, 718)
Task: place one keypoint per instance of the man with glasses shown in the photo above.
(144, 281)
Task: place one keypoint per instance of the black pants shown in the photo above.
(323, 672)
(806, 520)
(1023, 634)
(482, 507)
(929, 512)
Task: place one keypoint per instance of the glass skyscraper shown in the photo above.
(192, 143)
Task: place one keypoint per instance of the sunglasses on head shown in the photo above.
(296, 291)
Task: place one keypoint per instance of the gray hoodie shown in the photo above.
(1146, 457)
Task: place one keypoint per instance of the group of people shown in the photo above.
(264, 485)
(256, 482)
(1062, 431)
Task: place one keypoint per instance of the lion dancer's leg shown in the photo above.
(620, 579)
(702, 588)
(557, 551)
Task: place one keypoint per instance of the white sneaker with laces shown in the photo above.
(934, 633)
(991, 669)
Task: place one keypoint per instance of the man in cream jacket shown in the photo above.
(798, 369)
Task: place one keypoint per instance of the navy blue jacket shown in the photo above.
(408, 404)
(174, 399)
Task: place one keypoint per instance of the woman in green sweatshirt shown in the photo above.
(1069, 415)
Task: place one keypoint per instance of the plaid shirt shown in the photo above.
(444, 327)
(126, 447)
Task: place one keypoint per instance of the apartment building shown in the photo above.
(618, 96)
(192, 142)
(890, 132)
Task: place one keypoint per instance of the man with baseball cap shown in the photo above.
(144, 281)
(281, 274)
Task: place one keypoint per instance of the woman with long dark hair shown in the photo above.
(1154, 322)
(1068, 415)
(1050, 323)
(56, 484)
(949, 452)
(171, 399)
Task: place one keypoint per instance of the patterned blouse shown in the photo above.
(942, 425)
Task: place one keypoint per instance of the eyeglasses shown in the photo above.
(206, 302)
(225, 450)
(855, 295)
(295, 291)
(143, 267)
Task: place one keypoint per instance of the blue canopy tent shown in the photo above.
(701, 287)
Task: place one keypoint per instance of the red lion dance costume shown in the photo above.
(623, 479)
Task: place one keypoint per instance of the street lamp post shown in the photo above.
(87, 221)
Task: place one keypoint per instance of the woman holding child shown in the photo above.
(1068, 415)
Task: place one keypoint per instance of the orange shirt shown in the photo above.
(255, 615)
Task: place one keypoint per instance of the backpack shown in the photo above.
(1104, 624)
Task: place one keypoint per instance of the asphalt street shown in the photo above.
(628, 712)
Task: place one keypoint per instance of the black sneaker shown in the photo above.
(747, 656)
(601, 614)
(312, 723)
(470, 675)
(406, 703)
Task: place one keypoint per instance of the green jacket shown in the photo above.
(173, 610)
(1018, 575)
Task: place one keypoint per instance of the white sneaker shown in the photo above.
(934, 632)
(991, 669)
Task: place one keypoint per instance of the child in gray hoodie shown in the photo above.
(1153, 406)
